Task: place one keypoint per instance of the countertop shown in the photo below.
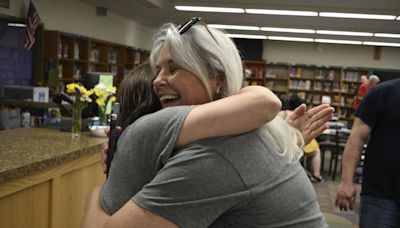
(27, 150)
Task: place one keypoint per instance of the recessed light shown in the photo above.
(381, 44)
(245, 36)
(344, 33)
(357, 15)
(287, 38)
(210, 9)
(16, 25)
(390, 35)
(330, 41)
(282, 12)
(235, 27)
(291, 30)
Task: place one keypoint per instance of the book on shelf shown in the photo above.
(112, 56)
(76, 51)
(336, 100)
(295, 72)
(270, 85)
(351, 76)
(326, 86)
(331, 75)
(349, 102)
(94, 54)
(316, 99)
(335, 86)
(343, 113)
(342, 101)
(270, 73)
(317, 85)
(60, 71)
(320, 74)
(114, 69)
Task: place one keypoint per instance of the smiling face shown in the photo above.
(176, 86)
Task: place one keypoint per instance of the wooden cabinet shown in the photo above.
(68, 57)
(45, 177)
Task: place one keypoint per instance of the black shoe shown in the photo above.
(317, 179)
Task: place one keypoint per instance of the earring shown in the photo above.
(218, 92)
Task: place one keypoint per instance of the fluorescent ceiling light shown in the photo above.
(245, 36)
(357, 15)
(344, 33)
(282, 12)
(275, 29)
(398, 18)
(210, 9)
(330, 41)
(287, 38)
(236, 27)
(381, 44)
(16, 25)
(390, 35)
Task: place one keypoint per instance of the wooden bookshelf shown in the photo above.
(68, 57)
(310, 83)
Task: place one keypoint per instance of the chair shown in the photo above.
(327, 142)
(341, 137)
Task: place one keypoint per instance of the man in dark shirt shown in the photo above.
(378, 117)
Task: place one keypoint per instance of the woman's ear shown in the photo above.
(219, 87)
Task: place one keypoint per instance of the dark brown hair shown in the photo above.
(136, 95)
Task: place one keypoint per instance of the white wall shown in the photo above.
(18, 9)
(77, 17)
(330, 54)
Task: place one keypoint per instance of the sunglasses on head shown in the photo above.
(188, 24)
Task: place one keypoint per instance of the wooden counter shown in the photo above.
(45, 175)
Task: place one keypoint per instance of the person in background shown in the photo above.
(311, 150)
(377, 118)
(363, 89)
(212, 182)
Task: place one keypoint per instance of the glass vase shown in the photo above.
(77, 118)
(102, 116)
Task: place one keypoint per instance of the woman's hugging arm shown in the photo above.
(251, 108)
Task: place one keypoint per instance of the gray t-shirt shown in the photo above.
(142, 149)
(238, 181)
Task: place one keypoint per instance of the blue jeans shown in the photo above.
(379, 213)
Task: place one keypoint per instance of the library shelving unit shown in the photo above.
(255, 72)
(276, 78)
(350, 83)
(68, 57)
(310, 82)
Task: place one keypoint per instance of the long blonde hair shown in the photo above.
(208, 56)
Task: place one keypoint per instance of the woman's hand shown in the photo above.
(311, 123)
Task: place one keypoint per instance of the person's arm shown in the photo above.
(130, 215)
(248, 110)
(311, 123)
(346, 194)
(245, 111)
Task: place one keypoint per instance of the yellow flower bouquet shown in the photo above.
(82, 98)
(104, 95)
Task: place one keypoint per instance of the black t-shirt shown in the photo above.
(380, 109)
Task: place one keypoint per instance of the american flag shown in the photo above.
(32, 22)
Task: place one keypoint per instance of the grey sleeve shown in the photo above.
(141, 151)
(194, 188)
